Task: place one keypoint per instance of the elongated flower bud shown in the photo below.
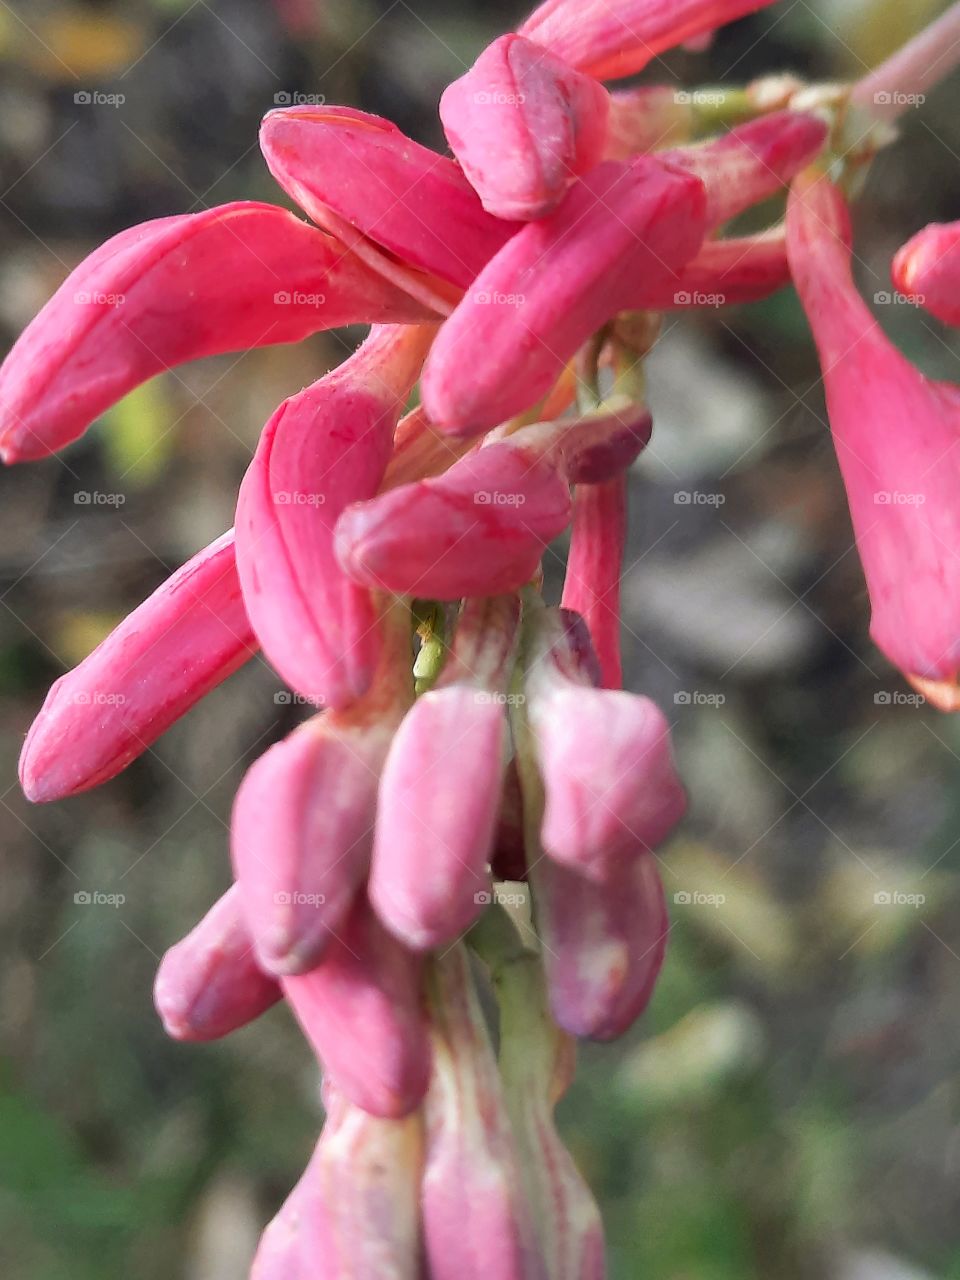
(725, 272)
(257, 276)
(362, 1011)
(610, 40)
(896, 435)
(554, 284)
(927, 269)
(174, 648)
(210, 984)
(323, 448)
(353, 171)
(476, 1219)
(523, 124)
(436, 819)
(591, 586)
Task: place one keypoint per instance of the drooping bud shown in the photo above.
(476, 1219)
(362, 1010)
(591, 586)
(323, 448)
(436, 819)
(927, 269)
(172, 650)
(523, 125)
(257, 276)
(210, 984)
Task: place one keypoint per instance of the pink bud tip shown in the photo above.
(927, 269)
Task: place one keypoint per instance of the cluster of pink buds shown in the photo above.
(474, 800)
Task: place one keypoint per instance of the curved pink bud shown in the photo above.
(609, 40)
(324, 448)
(362, 1011)
(200, 284)
(591, 586)
(436, 820)
(554, 284)
(210, 984)
(350, 170)
(523, 124)
(896, 436)
(927, 268)
(477, 530)
(604, 943)
(724, 273)
(174, 648)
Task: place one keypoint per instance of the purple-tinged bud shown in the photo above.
(436, 819)
(210, 984)
(591, 586)
(362, 1011)
(476, 1219)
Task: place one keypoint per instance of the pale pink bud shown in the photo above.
(362, 1011)
(479, 529)
(174, 648)
(591, 586)
(210, 984)
(523, 124)
(435, 818)
(226, 279)
(609, 40)
(554, 284)
(927, 269)
(476, 1219)
(896, 435)
(322, 449)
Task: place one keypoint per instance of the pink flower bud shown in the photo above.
(554, 284)
(896, 435)
(209, 984)
(476, 1219)
(609, 40)
(523, 124)
(927, 268)
(362, 1011)
(726, 272)
(351, 171)
(435, 819)
(233, 277)
(591, 586)
(174, 648)
(323, 448)
(479, 529)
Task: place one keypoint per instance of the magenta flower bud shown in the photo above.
(477, 530)
(523, 124)
(435, 819)
(927, 269)
(257, 276)
(726, 272)
(476, 1219)
(591, 586)
(323, 448)
(554, 284)
(611, 790)
(362, 1011)
(895, 434)
(385, 195)
(592, 448)
(210, 984)
(609, 40)
(175, 647)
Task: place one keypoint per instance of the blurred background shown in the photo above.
(790, 1107)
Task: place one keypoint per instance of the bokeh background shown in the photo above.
(789, 1108)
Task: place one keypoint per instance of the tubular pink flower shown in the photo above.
(554, 284)
(726, 272)
(523, 124)
(613, 38)
(927, 268)
(233, 277)
(175, 647)
(896, 434)
(362, 1011)
(385, 195)
(479, 529)
(322, 449)
(436, 819)
(591, 586)
(209, 984)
